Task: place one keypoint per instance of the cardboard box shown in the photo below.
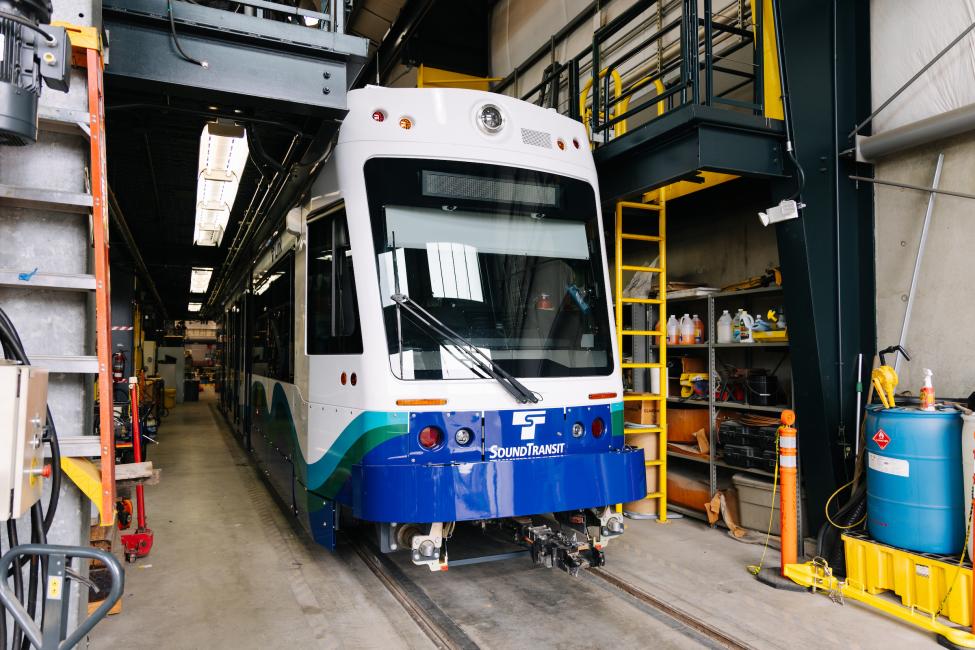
(676, 366)
(650, 443)
(687, 488)
(642, 411)
(646, 506)
(683, 423)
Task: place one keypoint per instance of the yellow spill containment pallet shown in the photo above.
(921, 581)
(878, 574)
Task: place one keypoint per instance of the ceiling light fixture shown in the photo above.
(194, 306)
(223, 155)
(200, 279)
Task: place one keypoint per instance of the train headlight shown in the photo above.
(463, 437)
(598, 427)
(578, 430)
(490, 119)
(430, 437)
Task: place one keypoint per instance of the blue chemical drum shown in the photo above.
(914, 479)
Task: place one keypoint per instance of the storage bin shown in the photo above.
(755, 504)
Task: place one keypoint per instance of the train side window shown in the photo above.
(272, 352)
(333, 312)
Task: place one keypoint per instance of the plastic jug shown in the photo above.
(736, 326)
(698, 329)
(745, 326)
(686, 329)
(673, 330)
(724, 328)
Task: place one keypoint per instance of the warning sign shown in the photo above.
(881, 438)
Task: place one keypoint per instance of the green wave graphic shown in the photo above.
(326, 475)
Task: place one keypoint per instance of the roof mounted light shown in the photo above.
(200, 279)
(489, 118)
(223, 155)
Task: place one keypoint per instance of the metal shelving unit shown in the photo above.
(713, 460)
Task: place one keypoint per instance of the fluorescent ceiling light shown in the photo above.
(194, 306)
(223, 155)
(200, 279)
(263, 285)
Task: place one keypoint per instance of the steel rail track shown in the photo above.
(684, 618)
(436, 624)
(444, 633)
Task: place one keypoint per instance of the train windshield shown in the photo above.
(506, 258)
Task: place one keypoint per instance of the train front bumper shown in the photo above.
(497, 488)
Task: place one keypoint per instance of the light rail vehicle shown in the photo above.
(429, 342)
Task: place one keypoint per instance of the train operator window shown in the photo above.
(333, 313)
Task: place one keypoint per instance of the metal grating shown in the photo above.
(536, 138)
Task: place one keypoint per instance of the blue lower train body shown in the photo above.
(518, 462)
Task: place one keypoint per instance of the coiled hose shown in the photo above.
(828, 543)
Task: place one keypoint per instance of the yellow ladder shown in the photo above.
(661, 334)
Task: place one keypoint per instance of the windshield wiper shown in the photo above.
(484, 363)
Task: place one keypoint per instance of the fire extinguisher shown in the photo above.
(118, 367)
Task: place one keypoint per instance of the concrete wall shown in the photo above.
(944, 307)
(714, 238)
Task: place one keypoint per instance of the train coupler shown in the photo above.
(430, 550)
(556, 549)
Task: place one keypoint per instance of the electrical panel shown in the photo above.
(23, 419)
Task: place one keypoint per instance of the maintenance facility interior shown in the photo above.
(487, 323)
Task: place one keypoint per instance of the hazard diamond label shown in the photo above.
(881, 438)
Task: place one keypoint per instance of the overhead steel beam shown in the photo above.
(250, 61)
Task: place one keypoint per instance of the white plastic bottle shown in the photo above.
(736, 326)
(698, 329)
(686, 329)
(673, 330)
(927, 391)
(724, 328)
(745, 325)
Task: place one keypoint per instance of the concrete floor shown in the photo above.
(229, 571)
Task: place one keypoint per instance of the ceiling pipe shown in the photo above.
(938, 127)
(118, 218)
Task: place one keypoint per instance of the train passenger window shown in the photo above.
(333, 312)
(272, 352)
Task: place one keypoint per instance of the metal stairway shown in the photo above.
(660, 208)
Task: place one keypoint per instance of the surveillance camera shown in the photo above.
(784, 211)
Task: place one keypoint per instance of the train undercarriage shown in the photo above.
(569, 540)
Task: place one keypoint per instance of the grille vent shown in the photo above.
(536, 138)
